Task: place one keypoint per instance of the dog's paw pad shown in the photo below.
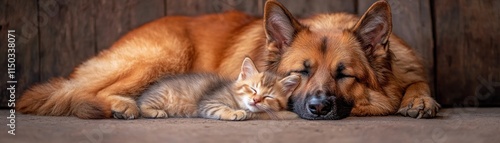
(125, 111)
(420, 107)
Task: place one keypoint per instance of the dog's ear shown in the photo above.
(373, 31)
(279, 24)
(375, 25)
(247, 69)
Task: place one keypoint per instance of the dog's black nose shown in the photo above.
(319, 105)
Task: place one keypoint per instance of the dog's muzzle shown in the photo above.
(322, 106)
(318, 104)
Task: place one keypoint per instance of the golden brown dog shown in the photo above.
(349, 65)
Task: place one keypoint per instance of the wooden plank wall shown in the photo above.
(458, 40)
(468, 52)
(22, 17)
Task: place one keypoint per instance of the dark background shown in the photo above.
(458, 39)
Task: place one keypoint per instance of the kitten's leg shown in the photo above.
(148, 111)
(417, 102)
(222, 112)
(153, 113)
(279, 115)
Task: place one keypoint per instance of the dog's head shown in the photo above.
(341, 59)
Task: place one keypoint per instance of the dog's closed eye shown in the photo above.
(340, 72)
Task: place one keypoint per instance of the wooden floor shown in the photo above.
(458, 125)
(457, 39)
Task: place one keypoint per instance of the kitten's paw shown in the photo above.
(124, 108)
(419, 107)
(153, 113)
(237, 115)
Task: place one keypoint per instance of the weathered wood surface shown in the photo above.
(467, 52)
(67, 39)
(305, 8)
(457, 39)
(116, 18)
(20, 16)
(196, 7)
(3, 61)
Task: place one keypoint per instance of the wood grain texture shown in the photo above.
(467, 42)
(197, 7)
(3, 37)
(116, 18)
(306, 8)
(67, 39)
(57, 35)
(412, 22)
(21, 16)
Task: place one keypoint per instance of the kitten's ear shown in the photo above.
(247, 69)
(279, 24)
(289, 84)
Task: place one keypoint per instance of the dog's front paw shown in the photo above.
(125, 109)
(125, 113)
(419, 107)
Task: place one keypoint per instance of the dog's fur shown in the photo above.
(355, 64)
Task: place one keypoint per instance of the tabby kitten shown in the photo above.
(253, 95)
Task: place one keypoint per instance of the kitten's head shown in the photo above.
(264, 91)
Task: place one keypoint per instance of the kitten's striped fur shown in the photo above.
(253, 95)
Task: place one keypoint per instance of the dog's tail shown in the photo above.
(60, 97)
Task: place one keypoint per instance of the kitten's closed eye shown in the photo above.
(253, 90)
(250, 89)
(269, 97)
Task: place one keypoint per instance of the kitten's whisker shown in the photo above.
(268, 111)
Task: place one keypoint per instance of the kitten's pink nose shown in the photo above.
(256, 100)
